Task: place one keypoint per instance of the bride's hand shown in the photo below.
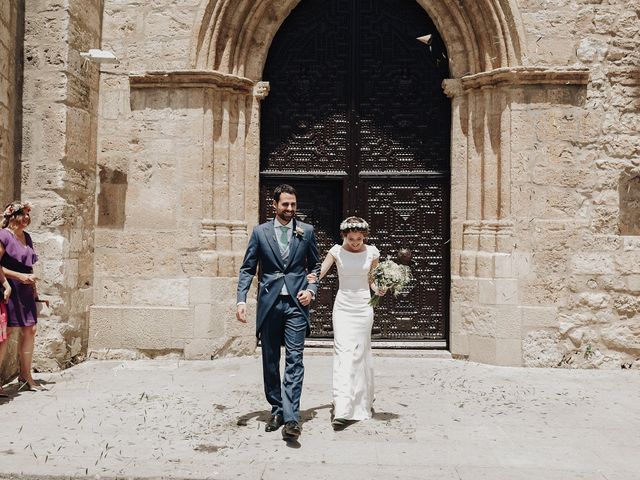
(312, 278)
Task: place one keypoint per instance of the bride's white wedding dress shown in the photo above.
(352, 322)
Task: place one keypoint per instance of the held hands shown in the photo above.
(241, 313)
(381, 292)
(7, 292)
(305, 297)
(28, 278)
(312, 278)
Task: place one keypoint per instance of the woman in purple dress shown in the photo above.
(17, 258)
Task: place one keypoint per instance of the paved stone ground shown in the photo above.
(435, 419)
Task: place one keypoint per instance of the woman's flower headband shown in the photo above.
(15, 208)
(354, 226)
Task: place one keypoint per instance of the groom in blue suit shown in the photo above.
(285, 250)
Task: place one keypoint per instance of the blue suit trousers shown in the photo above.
(284, 325)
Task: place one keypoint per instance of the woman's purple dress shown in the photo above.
(21, 308)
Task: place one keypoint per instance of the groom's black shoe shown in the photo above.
(274, 423)
(291, 431)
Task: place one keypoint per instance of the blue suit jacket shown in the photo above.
(263, 251)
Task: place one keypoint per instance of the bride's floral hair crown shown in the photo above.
(354, 224)
(13, 210)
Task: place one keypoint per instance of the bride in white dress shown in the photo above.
(352, 322)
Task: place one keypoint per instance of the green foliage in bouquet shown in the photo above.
(391, 276)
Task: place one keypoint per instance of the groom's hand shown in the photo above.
(305, 297)
(241, 313)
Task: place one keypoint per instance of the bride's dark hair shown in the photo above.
(354, 224)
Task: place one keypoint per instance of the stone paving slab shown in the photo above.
(435, 418)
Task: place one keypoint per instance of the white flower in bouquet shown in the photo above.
(391, 276)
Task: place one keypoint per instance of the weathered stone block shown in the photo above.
(503, 265)
(633, 283)
(482, 349)
(542, 317)
(459, 345)
(623, 337)
(508, 322)
(592, 263)
(479, 320)
(206, 324)
(627, 262)
(170, 292)
(484, 265)
(506, 291)
(200, 289)
(112, 291)
(487, 291)
(144, 328)
(467, 264)
(509, 352)
(465, 290)
(548, 290)
(542, 348)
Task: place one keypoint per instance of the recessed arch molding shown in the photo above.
(233, 36)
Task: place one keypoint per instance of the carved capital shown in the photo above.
(261, 90)
(452, 87)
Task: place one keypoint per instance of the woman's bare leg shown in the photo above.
(27, 342)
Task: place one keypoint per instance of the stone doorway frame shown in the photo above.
(488, 63)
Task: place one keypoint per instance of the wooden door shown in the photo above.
(357, 121)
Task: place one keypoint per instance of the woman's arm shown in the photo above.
(28, 278)
(327, 263)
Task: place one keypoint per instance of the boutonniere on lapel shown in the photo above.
(299, 233)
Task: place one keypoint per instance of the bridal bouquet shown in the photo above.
(391, 276)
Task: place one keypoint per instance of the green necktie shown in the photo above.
(284, 238)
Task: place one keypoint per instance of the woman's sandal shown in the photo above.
(23, 385)
(3, 394)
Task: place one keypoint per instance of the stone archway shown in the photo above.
(491, 86)
(234, 36)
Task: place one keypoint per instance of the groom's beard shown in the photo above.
(286, 216)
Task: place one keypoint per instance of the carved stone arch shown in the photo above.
(234, 36)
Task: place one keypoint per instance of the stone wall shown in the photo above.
(59, 167)
(571, 273)
(582, 174)
(11, 31)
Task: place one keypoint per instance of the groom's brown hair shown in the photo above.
(283, 188)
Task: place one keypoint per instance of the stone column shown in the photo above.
(486, 297)
(11, 40)
(59, 166)
(234, 165)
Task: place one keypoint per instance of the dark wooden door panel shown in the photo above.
(357, 121)
(408, 213)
